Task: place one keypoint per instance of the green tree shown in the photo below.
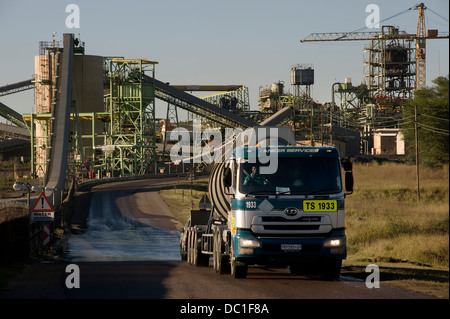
(433, 123)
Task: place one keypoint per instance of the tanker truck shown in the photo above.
(288, 215)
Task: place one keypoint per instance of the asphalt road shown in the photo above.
(128, 249)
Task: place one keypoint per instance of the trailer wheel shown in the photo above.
(198, 258)
(202, 260)
(189, 246)
(216, 251)
(194, 249)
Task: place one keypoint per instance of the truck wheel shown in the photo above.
(296, 269)
(332, 269)
(221, 261)
(238, 269)
(224, 265)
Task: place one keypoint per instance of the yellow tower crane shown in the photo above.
(420, 38)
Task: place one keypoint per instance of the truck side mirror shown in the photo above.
(227, 177)
(349, 182)
(347, 165)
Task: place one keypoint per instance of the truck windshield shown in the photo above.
(295, 175)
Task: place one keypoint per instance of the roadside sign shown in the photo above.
(42, 216)
(42, 209)
(46, 235)
(82, 168)
(42, 204)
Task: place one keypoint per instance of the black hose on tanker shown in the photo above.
(216, 190)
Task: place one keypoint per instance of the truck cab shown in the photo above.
(293, 217)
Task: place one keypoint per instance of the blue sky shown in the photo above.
(248, 42)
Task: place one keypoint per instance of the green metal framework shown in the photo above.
(126, 144)
(302, 106)
(240, 95)
(172, 119)
(350, 102)
(237, 101)
(130, 105)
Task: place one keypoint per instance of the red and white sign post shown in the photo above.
(47, 235)
(43, 211)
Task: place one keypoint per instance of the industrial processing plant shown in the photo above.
(99, 112)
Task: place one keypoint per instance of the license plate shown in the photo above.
(291, 247)
(319, 205)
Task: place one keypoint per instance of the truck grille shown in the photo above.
(291, 227)
(288, 225)
(282, 219)
(305, 248)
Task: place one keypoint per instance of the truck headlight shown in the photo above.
(334, 243)
(337, 246)
(249, 243)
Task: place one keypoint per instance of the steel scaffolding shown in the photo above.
(390, 66)
(131, 130)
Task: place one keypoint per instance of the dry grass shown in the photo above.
(376, 176)
(385, 220)
(389, 226)
(386, 224)
(181, 205)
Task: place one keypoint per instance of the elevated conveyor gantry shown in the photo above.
(198, 106)
(128, 118)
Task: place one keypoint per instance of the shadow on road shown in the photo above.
(98, 280)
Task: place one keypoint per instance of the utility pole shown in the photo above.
(311, 132)
(416, 131)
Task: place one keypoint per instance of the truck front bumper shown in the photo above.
(252, 249)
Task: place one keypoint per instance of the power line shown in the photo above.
(432, 128)
(384, 20)
(436, 109)
(444, 18)
(409, 122)
(434, 131)
(434, 117)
